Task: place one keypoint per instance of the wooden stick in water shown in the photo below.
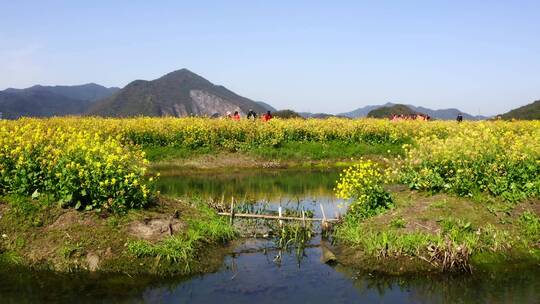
(324, 224)
(276, 217)
(279, 212)
(323, 214)
(232, 210)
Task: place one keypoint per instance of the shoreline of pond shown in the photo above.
(46, 240)
(236, 281)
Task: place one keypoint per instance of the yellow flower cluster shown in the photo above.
(363, 185)
(93, 162)
(77, 165)
(500, 158)
(222, 133)
(196, 132)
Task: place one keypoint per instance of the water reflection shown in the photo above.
(251, 276)
(250, 273)
(293, 189)
(251, 183)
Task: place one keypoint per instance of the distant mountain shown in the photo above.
(363, 112)
(315, 115)
(529, 112)
(446, 114)
(46, 101)
(39, 104)
(267, 106)
(89, 91)
(179, 93)
(385, 112)
(320, 115)
(305, 114)
(286, 114)
(443, 114)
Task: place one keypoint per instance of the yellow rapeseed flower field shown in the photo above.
(97, 162)
(75, 165)
(498, 158)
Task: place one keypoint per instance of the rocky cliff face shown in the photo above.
(205, 103)
(176, 110)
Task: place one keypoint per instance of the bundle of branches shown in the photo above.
(449, 257)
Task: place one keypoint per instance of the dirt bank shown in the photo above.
(48, 237)
(442, 233)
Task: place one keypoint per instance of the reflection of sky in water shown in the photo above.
(294, 189)
(255, 278)
(332, 207)
(250, 274)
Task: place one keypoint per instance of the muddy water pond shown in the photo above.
(255, 271)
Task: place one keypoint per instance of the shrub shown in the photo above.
(84, 169)
(363, 185)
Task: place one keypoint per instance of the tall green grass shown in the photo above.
(183, 248)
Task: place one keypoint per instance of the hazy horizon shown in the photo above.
(481, 58)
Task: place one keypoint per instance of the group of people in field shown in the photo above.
(251, 116)
(421, 117)
(399, 117)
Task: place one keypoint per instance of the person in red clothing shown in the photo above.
(236, 116)
(267, 116)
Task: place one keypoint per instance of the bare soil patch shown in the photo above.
(70, 218)
(155, 229)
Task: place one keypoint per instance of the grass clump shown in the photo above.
(293, 235)
(10, 258)
(70, 249)
(398, 223)
(27, 212)
(448, 249)
(183, 248)
(529, 224)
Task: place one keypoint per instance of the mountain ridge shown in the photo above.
(39, 104)
(443, 114)
(88, 91)
(46, 101)
(178, 93)
(387, 111)
(527, 112)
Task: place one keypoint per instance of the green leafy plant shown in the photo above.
(398, 223)
(530, 226)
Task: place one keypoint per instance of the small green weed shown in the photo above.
(398, 223)
(71, 249)
(530, 226)
(440, 204)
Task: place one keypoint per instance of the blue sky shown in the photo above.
(320, 56)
